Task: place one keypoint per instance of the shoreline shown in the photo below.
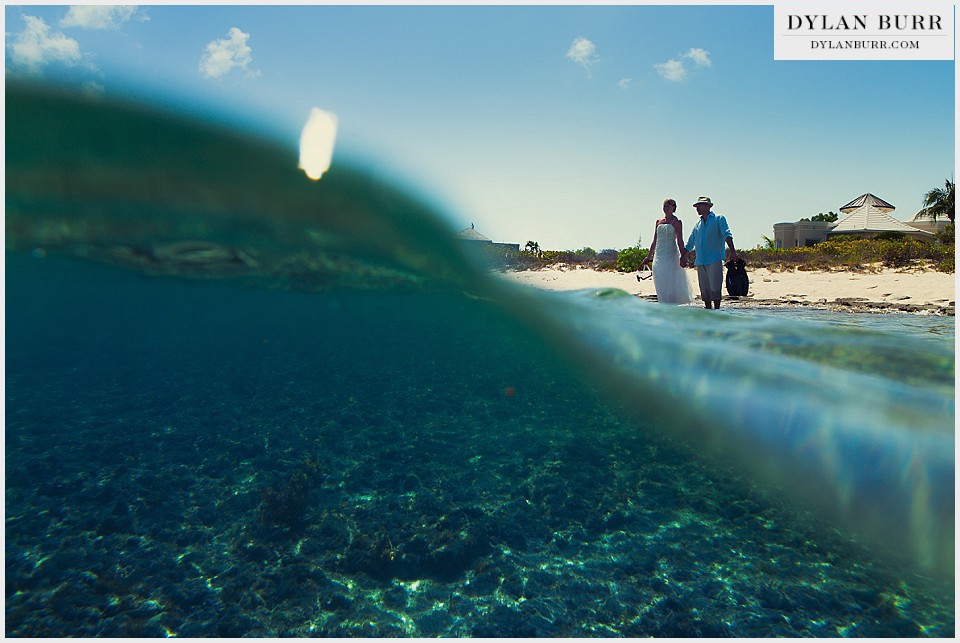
(887, 290)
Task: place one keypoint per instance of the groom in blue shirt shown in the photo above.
(707, 238)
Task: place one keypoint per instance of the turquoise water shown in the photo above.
(242, 403)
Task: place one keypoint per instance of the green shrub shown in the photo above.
(890, 236)
(557, 256)
(628, 259)
(947, 235)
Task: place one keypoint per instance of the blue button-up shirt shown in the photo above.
(709, 237)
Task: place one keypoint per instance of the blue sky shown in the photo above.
(566, 125)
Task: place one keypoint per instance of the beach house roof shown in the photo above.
(869, 215)
(867, 199)
(471, 234)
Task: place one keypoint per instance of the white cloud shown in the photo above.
(37, 46)
(583, 52)
(699, 56)
(676, 71)
(222, 56)
(624, 83)
(100, 16)
(672, 70)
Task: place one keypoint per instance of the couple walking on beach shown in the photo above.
(669, 255)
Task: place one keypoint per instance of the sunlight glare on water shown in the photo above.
(316, 143)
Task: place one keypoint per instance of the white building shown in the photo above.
(866, 216)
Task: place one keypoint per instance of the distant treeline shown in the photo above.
(891, 250)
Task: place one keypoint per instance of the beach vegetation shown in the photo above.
(629, 259)
(856, 255)
(532, 257)
(948, 234)
(889, 250)
(890, 235)
(884, 250)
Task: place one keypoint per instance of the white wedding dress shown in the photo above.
(669, 278)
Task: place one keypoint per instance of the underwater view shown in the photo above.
(243, 403)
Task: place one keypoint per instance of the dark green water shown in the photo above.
(242, 403)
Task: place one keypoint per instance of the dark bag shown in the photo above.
(738, 283)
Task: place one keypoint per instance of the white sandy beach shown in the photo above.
(889, 286)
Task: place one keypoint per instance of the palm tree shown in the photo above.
(534, 248)
(937, 202)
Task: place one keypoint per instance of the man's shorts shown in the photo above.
(711, 281)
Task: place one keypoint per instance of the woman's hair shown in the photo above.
(670, 201)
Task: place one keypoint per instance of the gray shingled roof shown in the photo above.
(470, 234)
(867, 199)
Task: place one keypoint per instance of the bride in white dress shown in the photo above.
(669, 277)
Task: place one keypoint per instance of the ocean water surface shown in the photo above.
(241, 403)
